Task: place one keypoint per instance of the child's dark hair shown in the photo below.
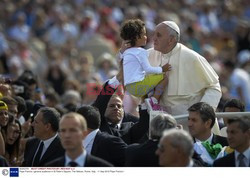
(131, 30)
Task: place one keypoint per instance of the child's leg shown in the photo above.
(159, 89)
(152, 103)
(143, 87)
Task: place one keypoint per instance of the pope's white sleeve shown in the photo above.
(212, 95)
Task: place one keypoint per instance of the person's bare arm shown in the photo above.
(26, 127)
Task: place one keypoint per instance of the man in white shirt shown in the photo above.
(191, 79)
(238, 135)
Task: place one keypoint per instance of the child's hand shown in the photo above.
(125, 45)
(167, 67)
(26, 127)
(119, 76)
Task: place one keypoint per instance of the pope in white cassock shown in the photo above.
(191, 80)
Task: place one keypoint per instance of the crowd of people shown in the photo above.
(62, 101)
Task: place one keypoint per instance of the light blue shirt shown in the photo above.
(246, 160)
(89, 140)
(47, 144)
(80, 160)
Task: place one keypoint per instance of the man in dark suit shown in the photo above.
(45, 146)
(112, 122)
(143, 155)
(176, 149)
(72, 131)
(200, 122)
(238, 131)
(101, 144)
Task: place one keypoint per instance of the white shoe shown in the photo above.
(153, 105)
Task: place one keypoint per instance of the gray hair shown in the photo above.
(52, 116)
(161, 123)
(180, 139)
(71, 97)
(173, 33)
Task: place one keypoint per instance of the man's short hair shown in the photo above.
(205, 110)
(50, 115)
(244, 122)
(81, 119)
(234, 103)
(180, 139)
(92, 116)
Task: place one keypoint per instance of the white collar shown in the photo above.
(209, 139)
(173, 51)
(49, 141)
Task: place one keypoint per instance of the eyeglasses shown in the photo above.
(161, 148)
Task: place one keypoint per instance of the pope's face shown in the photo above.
(162, 39)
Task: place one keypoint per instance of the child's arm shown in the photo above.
(147, 67)
(125, 45)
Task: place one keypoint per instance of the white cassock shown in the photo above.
(191, 80)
